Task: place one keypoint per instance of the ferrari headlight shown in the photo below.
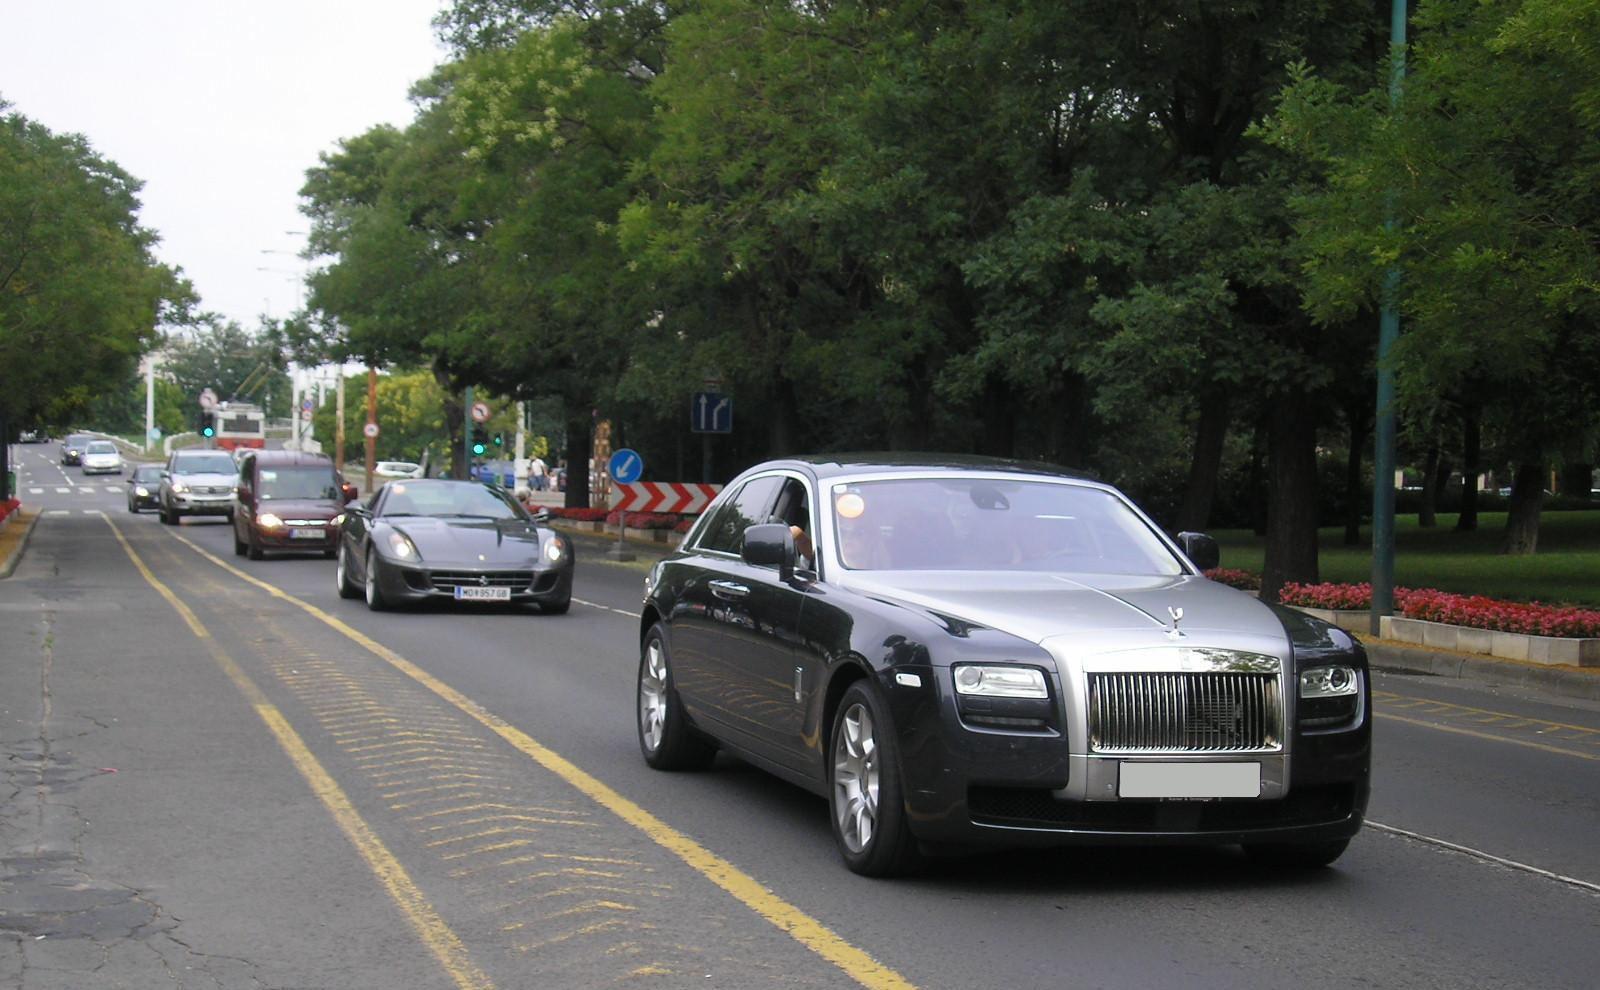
(1328, 682)
(269, 521)
(554, 551)
(995, 681)
(401, 546)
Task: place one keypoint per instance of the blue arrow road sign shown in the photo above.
(711, 412)
(625, 466)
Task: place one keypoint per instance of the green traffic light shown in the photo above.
(499, 441)
(208, 431)
(478, 448)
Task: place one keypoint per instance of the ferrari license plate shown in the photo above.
(307, 534)
(1189, 780)
(482, 594)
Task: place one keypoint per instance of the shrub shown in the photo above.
(1473, 611)
(1235, 578)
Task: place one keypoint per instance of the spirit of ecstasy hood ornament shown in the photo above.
(1177, 617)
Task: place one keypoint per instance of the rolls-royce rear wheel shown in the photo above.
(865, 794)
(665, 738)
(1297, 855)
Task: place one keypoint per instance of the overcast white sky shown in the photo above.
(219, 106)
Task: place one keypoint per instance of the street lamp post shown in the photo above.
(1383, 454)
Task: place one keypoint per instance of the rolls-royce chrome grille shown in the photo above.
(1185, 713)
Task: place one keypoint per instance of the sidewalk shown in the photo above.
(14, 533)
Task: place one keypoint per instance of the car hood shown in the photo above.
(509, 543)
(206, 478)
(300, 508)
(1088, 614)
(112, 458)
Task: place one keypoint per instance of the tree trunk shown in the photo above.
(781, 436)
(1256, 479)
(1360, 418)
(1471, 467)
(1427, 511)
(1291, 497)
(455, 422)
(999, 423)
(1522, 522)
(1211, 429)
(1577, 480)
(579, 444)
(5, 460)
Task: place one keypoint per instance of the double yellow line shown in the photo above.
(446, 947)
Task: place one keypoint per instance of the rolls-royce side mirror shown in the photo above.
(770, 545)
(1201, 549)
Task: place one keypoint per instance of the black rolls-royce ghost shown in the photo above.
(966, 652)
(430, 540)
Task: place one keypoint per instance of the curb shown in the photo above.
(11, 547)
(1569, 682)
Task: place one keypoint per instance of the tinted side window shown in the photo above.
(749, 507)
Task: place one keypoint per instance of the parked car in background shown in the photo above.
(101, 457)
(502, 473)
(286, 500)
(144, 487)
(31, 436)
(439, 540)
(396, 469)
(73, 446)
(196, 482)
(971, 652)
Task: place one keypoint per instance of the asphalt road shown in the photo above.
(219, 774)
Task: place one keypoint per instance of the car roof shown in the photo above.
(280, 457)
(825, 466)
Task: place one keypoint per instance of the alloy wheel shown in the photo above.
(855, 778)
(653, 696)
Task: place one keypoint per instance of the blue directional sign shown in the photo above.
(711, 412)
(625, 466)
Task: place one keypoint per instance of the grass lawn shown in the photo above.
(1566, 570)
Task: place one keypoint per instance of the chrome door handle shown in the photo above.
(729, 589)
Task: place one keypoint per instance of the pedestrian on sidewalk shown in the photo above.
(538, 473)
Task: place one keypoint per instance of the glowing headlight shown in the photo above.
(999, 682)
(141, 491)
(179, 486)
(401, 546)
(269, 521)
(337, 520)
(1328, 682)
(554, 551)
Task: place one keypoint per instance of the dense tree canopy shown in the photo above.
(1142, 237)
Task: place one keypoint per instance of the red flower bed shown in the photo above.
(9, 506)
(1235, 578)
(1473, 611)
(575, 514)
(644, 520)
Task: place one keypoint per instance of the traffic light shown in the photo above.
(208, 424)
(479, 441)
(499, 441)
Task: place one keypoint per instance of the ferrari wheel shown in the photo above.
(665, 738)
(341, 576)
(373, 592)
(864, 789)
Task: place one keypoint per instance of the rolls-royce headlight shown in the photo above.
(995, 681)
(269, 521)
(1328, 682)
(554, 551)
(402, 547)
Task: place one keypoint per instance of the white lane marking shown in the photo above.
(57, 512)
(91, 512)
(1593, 888)
(608, 608)
(36, 491)
(113, 489)
(63, 491)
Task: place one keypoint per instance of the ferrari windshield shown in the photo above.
(972, 524)
(448, 498)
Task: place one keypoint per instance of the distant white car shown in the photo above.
(101, 457)
(397, 469)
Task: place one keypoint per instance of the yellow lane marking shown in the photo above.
(1491, 737)
(1444, 707)
(446, 947)
(814, 935)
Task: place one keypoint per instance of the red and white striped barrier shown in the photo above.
(662, 496)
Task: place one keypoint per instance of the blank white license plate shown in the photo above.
(307, 534)
(1189, 780)
(483, 594)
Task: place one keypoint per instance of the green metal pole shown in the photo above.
(466, 435)
(1383, 453)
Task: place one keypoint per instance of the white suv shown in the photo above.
(197, 482)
